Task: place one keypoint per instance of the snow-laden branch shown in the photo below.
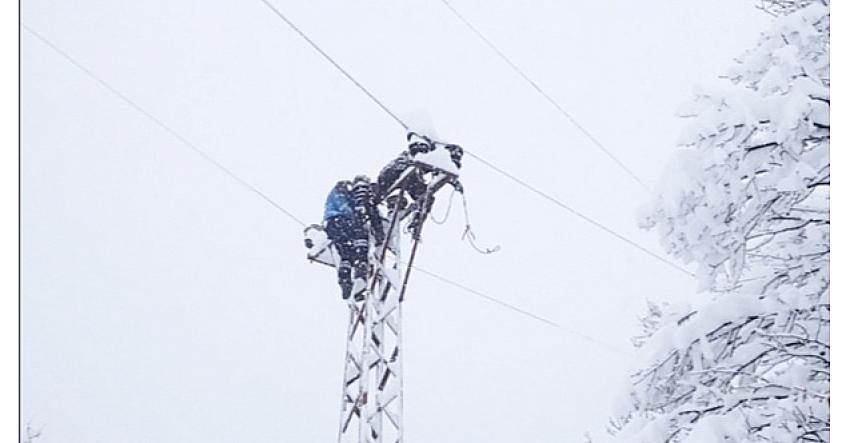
(747, 200)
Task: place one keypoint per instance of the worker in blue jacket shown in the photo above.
(345, 230)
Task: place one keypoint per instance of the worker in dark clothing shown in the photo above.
(340, 226)
(415, 186)
(416, 144)
(350, 214)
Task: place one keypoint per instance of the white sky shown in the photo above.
(162, 301)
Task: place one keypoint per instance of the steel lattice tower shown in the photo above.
(372, 387)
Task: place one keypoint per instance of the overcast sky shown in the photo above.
(163, 301)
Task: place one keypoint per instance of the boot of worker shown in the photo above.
(344, 276)
(346, 288)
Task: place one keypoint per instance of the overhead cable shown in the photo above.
(477, 157)
(521, 311)
(269, 200)
(545, 95)
(335, 64)
(162, 125)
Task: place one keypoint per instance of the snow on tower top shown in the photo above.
(439, 158)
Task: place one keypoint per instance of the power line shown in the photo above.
(483, 295)
(545, 95)
(477, 157)
(335, 64)
(586, 337)
(161, 124)
(269, 200)
(579, 214)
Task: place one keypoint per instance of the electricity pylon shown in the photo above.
(372, 386)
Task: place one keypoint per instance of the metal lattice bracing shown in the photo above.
(372, 384)
(372, 394)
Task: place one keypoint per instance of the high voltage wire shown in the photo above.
(162, 125)
(481, 294)
(543, 93)
(580, 215)
(336, 65)
(607, 346)
(523, 183)
(268, 199)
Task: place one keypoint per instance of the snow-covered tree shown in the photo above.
(747, 200)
